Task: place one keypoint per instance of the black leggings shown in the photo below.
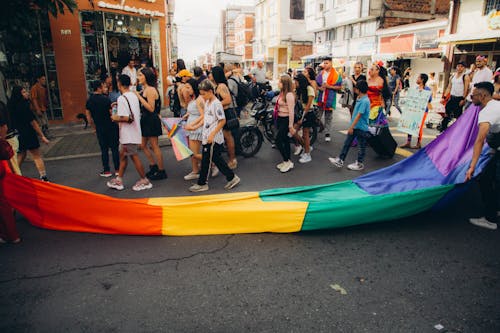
(282, 140)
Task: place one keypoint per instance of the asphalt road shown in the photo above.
(406, 275)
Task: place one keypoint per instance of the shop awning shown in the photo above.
(314, 56)
(463, 38)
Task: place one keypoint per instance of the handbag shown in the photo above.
(232, 121)
(131, 114)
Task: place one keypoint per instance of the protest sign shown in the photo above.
(413, 107)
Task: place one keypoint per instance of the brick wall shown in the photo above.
(413, 6)
(299, 51)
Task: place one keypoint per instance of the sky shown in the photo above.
(198, 24)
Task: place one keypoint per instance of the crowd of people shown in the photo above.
(124, 109)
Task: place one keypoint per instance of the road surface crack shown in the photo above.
(91, 267)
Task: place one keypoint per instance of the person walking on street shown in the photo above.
(9, 133)
(284, 114)
(224, 95)
(457, 90)
(305, 94)
(151, 128)
(481, 74)
(212, 140)
(8, 229)
(29, 131)
(98, 110)
(194, 126)
(329, 82)
(355, 78)
(489, 130)
(358, 129)
(421, 85)
(40, 103)
(128, 119)
(433, 84)
(395, 85)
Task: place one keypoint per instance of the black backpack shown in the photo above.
(244, 93)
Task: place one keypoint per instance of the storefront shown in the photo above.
(414, 45)
(104, 35)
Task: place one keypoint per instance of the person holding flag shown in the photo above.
(329, 82)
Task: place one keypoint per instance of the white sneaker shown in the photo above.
(336, 161)
(192, 176)
(198, 188)
(232, 183)
(287, 166)
(215, 171)
(356, 166)
(280, 165)
(142, 184)
(305, 158)
(328, 138)
(484, 223)
(298, 150)
(116, 184)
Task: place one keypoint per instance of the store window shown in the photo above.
(491, 5)
(23, 59)
(110, 40)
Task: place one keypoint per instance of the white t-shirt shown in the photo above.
(130, 133)
(132, 73)
(491, 114)
(457, 85)
(482, 75)
(259, 74)
(213, 113)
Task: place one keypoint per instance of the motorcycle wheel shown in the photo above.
(250, 141)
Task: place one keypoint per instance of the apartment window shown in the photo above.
(321, 7)
(347, 33)
(491, 5)
(297, 9)
(330, 35)
(355, 30)
(368, 28)
(365, 8)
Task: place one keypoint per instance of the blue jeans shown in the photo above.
(361, 136)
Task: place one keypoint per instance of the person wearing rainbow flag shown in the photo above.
(329, 82)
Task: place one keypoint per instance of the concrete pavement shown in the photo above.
(407, 275)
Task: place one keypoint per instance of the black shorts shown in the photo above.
(309, 119)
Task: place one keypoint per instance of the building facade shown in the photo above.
(465, 40)
(243, 25)
(228, 26)
(98, 36)
(280, 36)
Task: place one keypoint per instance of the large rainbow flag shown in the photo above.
(419, 183)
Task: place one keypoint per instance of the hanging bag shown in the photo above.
(131, 114)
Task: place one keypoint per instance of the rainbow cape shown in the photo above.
(421, 182)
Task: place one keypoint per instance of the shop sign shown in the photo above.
(494, 19)
(130, 9)
(426, 40)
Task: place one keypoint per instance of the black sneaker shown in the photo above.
(158, 175)
(44, 179)
(152, 170)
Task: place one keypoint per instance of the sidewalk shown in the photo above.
(73, 141)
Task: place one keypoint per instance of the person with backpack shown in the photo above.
(457, 90)
(239, 89)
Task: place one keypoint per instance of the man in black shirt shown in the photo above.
(98, 110)
(9, 133)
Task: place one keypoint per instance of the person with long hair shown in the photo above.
(305, 94)
(284, 118)
(194, 126)
(224, 95)
(151, 129)
(28, 128)
(377, 88)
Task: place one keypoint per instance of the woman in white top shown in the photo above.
(284, 115)
(457, 91)
(195, 105)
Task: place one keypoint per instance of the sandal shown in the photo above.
(406, 145)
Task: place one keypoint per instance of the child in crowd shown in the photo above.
(212, 140)
(358, 129)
